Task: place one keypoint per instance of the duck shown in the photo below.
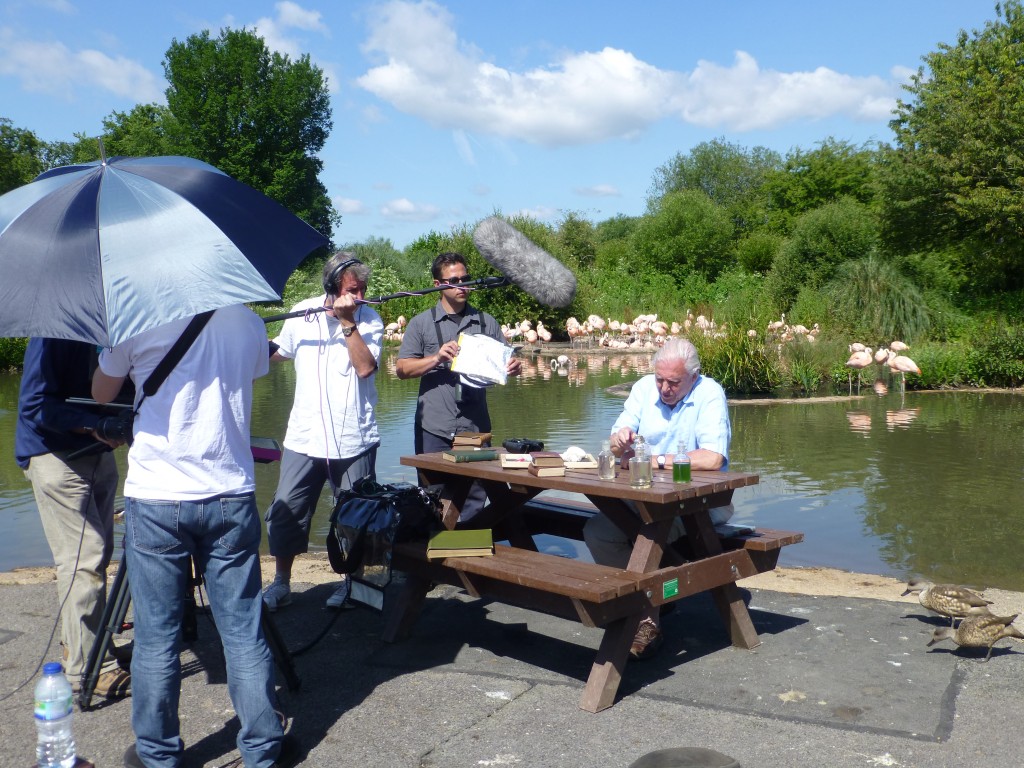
(979, 632)
(950, 600)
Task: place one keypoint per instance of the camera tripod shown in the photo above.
(113, 618)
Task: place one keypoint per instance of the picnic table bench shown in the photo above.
(595, 595)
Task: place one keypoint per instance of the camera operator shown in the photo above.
(74, 489)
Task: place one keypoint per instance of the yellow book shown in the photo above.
(515, 460)
(460, 543)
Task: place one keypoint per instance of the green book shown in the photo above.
(460, 543)
(470, 454)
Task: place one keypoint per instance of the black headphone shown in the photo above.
(331, 281)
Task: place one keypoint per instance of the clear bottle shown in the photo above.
(681, 465)
(606, 462)
(55, 743)
(640, 464)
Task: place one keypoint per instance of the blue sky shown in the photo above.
(446, 112)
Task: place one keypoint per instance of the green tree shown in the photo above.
(22, 156)
(956, 174)
(810, 179)
(577, 239)
(730, 175)
(141, 132)
(821, 240)
(256, 115)
(687, 232)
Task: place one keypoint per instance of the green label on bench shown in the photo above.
(670, 589)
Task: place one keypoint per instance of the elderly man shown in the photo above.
(674, 405)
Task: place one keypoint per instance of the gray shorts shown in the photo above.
(299, 487)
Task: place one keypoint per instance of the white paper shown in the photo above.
(481, 357)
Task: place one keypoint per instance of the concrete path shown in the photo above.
(838, 681)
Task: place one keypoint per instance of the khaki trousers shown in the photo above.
(76, 507)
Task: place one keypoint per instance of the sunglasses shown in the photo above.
(456, 280)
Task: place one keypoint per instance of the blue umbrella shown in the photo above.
(102, 251)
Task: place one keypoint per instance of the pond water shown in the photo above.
(916, 484)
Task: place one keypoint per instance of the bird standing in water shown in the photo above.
(979, 632)
(950, 600)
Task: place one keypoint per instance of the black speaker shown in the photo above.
(331, 281)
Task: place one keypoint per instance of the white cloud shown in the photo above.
(598, 190)
(50, 67)
(463, 147)
(403, 209)
(538, 213)
(276, 34)
(586, 97)
(349, 206)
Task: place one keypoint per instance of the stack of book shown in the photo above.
(470, 454)
(546, 464)
(460, 543)
(471, 439)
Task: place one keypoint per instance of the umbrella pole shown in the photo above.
(483, 282)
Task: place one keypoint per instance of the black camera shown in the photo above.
(116, 428)
(522, 445)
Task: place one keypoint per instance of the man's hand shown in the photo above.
(344, 307)
(622, 441)
(514, 367)
(447, 352)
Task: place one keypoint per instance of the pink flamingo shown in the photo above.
(903, 365)
(859, 360)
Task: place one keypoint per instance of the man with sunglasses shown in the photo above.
(448, 404)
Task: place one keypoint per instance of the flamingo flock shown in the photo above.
(862, 357)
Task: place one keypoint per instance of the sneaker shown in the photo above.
(115, 684)
(340, 595)
(647, 641)
(277, 595)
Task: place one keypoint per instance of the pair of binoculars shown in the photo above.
(522, 445)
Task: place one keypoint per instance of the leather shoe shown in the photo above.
(113, 685)
(647, 641)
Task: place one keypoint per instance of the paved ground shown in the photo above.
(838, 681)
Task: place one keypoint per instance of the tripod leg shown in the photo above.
(110, 623)
(280, 651)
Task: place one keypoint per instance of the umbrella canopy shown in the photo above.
(102, 251)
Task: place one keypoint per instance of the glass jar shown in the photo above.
(681, 465)
(606, 462)
(640, 464)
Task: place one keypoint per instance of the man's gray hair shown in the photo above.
(675, 349)
(359, 270)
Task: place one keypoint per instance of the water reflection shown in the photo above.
(933, 493)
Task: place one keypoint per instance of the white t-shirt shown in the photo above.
(334, 411)
(192, 436)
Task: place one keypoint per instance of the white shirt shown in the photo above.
(192, 436)
(333, 414)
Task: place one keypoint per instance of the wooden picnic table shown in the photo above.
(595, 595)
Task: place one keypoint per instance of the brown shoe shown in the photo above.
(647, 641)
(115, 684)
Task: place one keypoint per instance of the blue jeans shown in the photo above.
(222, 536)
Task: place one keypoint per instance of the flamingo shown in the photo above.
(903, 365)
(859, 360)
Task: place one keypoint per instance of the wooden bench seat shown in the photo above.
(586, 592)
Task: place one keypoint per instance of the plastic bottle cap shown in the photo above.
(52, 668)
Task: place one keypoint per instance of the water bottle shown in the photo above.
(640, 464)
(681, 465)
(606, 462)
(55, 744)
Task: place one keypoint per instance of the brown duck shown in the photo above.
(979, 632)
(948, 599)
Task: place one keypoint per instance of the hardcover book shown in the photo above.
(460, 543)
(546, 471)
(471, 438)
(470, 454)
(547, 459)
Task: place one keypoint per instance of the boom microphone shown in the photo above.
(525, 263)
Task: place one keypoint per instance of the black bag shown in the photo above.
(371, 517)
